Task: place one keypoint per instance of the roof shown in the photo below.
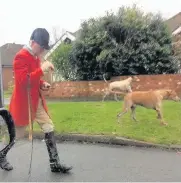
(74, 33)
(8, 51)
(177, 31)
(71, 33)
(174, 22)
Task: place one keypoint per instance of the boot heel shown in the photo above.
(5, 165)
(55, 165)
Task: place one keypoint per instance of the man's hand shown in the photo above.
(45, 86)
(46, 66)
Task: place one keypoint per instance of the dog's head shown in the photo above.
(130, 78)
(172, 95)
(135, 78)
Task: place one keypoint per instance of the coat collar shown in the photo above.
(29, 49)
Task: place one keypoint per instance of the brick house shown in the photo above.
(174, 25)
(67, 37)
(7, 53)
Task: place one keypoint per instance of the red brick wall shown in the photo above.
(68, 89)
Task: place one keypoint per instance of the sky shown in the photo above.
(18, 18)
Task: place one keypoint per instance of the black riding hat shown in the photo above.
(41, 36)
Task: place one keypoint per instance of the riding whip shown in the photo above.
(30, 124)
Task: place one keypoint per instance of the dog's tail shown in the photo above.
(104, 78)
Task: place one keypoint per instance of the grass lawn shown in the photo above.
(100, 118)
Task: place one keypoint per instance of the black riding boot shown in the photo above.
(53, 154)
(4, 164)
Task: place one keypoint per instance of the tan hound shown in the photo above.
(147, 99)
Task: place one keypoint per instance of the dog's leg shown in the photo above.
(105, 94)
(115, 97)
(129, 90)
(133, 113)
(160, 116)
(121, 114)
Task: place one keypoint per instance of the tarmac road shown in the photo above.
(94, 163)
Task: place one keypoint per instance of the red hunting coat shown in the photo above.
(25, 63)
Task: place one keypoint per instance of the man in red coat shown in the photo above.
(28, 72)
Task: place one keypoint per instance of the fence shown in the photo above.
(95, 89)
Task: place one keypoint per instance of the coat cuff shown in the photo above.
(40, 72)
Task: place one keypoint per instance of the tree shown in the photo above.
(125, 43)
(60, 59)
